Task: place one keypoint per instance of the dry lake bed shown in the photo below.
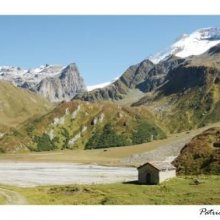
(34, 174)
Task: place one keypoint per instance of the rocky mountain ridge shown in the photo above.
(54, 82)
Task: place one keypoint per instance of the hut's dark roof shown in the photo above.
(159, 165)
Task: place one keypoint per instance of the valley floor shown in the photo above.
(177, 191)
(36, 170)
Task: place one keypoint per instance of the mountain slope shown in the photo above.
(18, 105)
(77, 124)
(183, 93)
(201, 155)
(190, 96)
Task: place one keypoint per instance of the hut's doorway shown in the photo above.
(148, 178)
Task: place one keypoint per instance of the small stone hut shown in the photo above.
(155, 172)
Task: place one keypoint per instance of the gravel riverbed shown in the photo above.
(28, 174)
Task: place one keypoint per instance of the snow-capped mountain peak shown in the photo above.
(55, 82)
(34, 75)
(193, 44)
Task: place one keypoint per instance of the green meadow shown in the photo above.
(178, 191)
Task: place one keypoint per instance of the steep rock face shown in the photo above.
(185, 77)
(64, 86)
(54, 82)
(158, 74)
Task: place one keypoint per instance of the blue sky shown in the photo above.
(103, 47)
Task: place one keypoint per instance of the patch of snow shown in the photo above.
(101, 85)
(32, 77)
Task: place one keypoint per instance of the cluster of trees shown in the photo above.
(106, 138)
(44, 143)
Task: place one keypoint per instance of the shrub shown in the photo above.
(2, 150)
(30, 128)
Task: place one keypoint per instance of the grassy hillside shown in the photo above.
(116, 156)
(77, 124)
(201, 155)
(18, 105)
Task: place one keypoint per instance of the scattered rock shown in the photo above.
(74, 114)
(84, 129)
(59, 121)
(74, 139)
(51, 134)
(101, 117)
(94, 121)
(67, 112)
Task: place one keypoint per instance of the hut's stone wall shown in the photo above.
(167, 174)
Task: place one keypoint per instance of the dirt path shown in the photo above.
(165, 150)
(12, 197)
